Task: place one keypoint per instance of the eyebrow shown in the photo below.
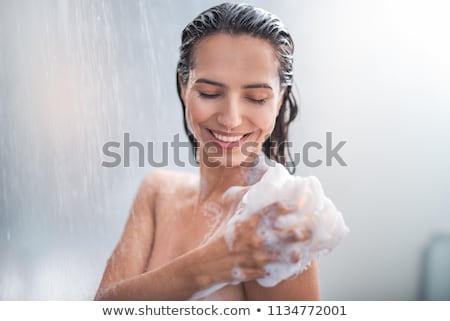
(215, 83)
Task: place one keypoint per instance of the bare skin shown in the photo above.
(164, 253)
(173, 245)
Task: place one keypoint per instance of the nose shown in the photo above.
(230, 116)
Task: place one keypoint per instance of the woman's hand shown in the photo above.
(243, 249)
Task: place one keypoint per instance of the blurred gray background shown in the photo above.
(77, 74)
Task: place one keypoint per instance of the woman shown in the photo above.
(234, 80)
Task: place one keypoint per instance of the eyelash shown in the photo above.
(212, 96)
(208, 96)
(258, 101)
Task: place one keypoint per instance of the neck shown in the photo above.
(216, 180)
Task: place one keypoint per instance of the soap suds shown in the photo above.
(315, 218)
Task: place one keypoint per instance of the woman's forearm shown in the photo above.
(164, 283)
(180, 279)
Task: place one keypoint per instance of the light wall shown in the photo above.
(75, 75)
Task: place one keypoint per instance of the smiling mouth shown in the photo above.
(228, 138)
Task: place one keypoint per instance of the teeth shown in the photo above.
(227, 139)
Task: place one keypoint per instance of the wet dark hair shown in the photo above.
(243, 19)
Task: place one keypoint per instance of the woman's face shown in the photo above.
(232, 97)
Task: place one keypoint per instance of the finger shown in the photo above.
(269, 255)
(293, 221)
(294, 256)
(273, 211)
(251, 274)
(238, 274)
(293, 235)
(258, 259)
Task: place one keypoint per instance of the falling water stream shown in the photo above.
(75, 75)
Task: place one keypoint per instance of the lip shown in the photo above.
(227, 145)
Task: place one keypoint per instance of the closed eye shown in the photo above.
(258, 101)
(207, 96)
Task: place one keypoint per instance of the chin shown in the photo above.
(228, 160)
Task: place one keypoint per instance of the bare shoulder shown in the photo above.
(162, 181)
(131, 254)
(166, 176)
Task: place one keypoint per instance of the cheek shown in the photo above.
(266, 121)
(195, 115)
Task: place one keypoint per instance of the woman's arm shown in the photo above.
(125, 276)
(177, 280)
(303, 287)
